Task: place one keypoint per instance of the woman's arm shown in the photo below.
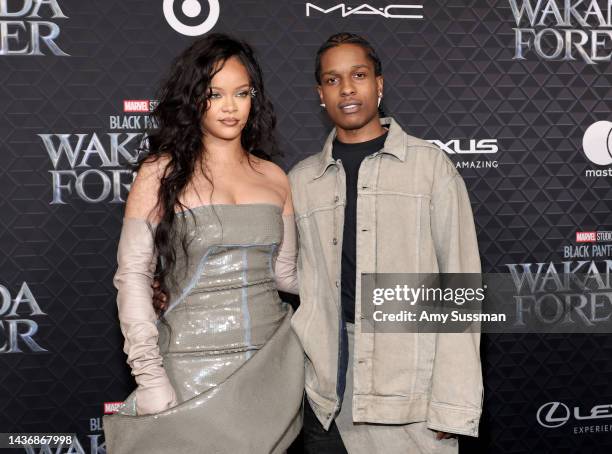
(136, 267)
(285, 270)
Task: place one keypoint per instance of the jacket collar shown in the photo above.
(394, 145)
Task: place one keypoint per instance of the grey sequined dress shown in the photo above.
(227, 345)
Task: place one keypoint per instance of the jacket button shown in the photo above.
(335, 241)
(336, 198)
(337, 284)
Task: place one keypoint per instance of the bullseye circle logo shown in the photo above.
(597, 143)
(192, 8)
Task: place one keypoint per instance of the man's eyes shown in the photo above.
(333, 80)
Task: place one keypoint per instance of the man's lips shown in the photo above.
(349, 106)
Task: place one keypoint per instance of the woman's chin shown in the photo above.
(228, 134)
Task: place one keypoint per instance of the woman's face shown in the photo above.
(229, 101)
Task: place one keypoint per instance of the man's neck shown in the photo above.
(369, 131)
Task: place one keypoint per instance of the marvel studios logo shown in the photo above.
(594, 237)
(111, 407)
(139, 105)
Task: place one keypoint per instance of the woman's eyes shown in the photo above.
(240, 94)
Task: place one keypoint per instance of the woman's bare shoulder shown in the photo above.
(143, 197)
(271, 170)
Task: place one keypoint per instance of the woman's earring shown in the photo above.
(252, 92)
(322, 105)
(379, 98)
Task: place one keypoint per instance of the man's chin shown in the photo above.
(351, 124)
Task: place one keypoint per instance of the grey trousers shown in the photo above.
(363, 438)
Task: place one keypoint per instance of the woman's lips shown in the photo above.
(229, 121)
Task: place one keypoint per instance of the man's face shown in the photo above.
(349, 87)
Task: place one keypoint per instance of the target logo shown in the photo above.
(191, 9)
(597, 143)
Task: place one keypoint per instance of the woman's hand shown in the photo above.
(160, 299)
(155, 399)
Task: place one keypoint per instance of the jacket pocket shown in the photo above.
(403, 364)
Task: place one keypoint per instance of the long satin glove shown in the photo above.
(133, 279)
(285, 270)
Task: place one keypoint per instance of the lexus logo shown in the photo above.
(553, 414)
(471, 146)
(192, 8)
(597, 143)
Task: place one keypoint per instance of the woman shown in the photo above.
(221, 371)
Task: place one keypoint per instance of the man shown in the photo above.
(377, 200)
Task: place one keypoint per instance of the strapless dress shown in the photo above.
(227, 345)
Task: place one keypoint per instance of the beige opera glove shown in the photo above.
(133, 279)
(285, 270)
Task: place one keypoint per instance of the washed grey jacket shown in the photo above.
(413, 216)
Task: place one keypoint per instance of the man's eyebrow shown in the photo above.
(333, 71)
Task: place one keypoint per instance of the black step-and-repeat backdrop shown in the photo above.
(517, 92)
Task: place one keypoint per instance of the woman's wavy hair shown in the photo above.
(177, 134)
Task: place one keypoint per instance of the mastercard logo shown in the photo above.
(597, 143)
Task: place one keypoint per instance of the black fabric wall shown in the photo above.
(515, 127)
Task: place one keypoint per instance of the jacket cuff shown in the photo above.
(453, 419)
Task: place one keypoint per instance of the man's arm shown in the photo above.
(456, 395)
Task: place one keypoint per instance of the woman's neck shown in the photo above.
(223, 152)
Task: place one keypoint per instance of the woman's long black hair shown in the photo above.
(177, 134)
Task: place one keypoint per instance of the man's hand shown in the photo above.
(443, 435)
(160, 299)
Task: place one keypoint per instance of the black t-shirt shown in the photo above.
(352, 154)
